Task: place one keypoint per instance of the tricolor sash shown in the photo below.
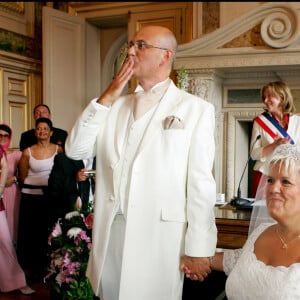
(271, 126)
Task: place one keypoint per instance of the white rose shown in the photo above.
(72, 214)
(73, 232)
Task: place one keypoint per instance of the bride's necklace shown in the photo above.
(283, 242)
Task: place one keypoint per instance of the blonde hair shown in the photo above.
(280, 89)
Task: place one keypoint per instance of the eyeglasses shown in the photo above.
(140, 44)
(4, 135)
(42, 128)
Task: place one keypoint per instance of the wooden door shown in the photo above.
(63, 66)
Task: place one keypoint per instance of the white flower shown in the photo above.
(58, 279)
(73, 232)
(57, 261)
(72, 214)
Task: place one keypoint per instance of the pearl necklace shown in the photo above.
(283, 242)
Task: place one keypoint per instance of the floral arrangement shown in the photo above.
(182, 79)
(70, 243)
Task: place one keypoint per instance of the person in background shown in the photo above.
(28, 138)
(12, 277)
(11, 194)
(268, 266)
(69, 183)
(35, 166)
(155, 192)
(277, 125)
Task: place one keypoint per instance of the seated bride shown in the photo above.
(268, 266)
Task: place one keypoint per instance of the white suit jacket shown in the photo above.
(172, 190)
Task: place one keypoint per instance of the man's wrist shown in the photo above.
(103, 101)
(211, 262)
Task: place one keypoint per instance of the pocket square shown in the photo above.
(173, 122)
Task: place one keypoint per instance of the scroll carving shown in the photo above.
(281, 28)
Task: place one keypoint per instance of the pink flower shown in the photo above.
(70, 252)
(81, 236)
(89, 220)
(55, 232)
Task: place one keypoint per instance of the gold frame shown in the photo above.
(18, 7)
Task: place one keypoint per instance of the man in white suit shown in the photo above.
(155, 192)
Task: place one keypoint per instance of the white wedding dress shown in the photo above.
(249, 278)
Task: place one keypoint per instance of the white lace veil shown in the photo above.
(290, 155)
(259, 212)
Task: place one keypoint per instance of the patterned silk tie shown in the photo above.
(144, 101)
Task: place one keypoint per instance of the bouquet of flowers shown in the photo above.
(70, 244)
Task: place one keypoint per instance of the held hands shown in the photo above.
(195, 268)
(118, 84)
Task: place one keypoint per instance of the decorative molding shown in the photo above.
(199, 87)
(279, 30)
(21, 63)
(17, 87)
(18, 17)
(17, 7)
(232, 58)
(265, 14)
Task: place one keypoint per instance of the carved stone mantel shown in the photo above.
(226, 58)
(279, 30)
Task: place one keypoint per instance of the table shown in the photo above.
(233, 225)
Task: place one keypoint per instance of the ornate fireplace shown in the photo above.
(228, 67)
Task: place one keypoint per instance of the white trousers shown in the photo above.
(110, 282)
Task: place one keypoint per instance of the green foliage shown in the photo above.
(182, 78)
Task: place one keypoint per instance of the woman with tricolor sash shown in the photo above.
(277, 125)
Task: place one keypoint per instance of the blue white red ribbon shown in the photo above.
(271, 126)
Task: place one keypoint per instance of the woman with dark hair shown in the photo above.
(11, 193)
(35, 166)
